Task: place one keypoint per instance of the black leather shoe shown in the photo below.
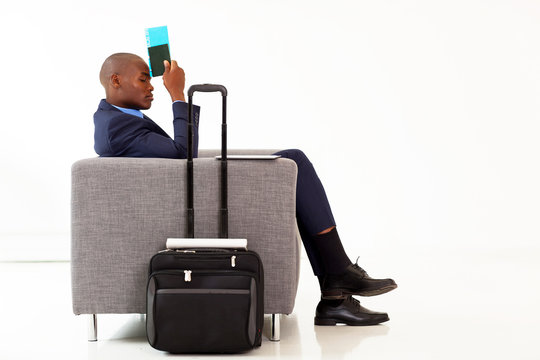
(354, 281)
(347, 311)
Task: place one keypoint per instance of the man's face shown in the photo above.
(134, 87)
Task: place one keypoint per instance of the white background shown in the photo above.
(421, 117)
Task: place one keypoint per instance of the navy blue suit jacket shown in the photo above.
(120, 134)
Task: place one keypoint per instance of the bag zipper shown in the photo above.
(188, 274)
(233, 257)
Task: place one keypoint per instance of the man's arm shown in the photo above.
(180, 111)
(174, 80)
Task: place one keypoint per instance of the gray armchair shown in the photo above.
(124, 209)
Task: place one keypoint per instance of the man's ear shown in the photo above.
(115, 81)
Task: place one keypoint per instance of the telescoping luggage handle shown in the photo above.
(224, 217)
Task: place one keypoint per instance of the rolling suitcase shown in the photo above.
(204, 300)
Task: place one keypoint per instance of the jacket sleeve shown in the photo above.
(144, 138)
(180, 111)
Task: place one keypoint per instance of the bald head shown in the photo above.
(126, 79)
(116, 64)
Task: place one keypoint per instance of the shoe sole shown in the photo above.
(334, 322)
(343, 293)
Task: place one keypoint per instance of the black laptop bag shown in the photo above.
(205, 300)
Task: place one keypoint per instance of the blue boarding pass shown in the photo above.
(157, 42)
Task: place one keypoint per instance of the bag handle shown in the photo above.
(224, 216)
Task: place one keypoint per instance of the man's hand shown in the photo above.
(174, 80)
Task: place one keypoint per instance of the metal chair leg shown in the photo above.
(92, 327)
(275, 327)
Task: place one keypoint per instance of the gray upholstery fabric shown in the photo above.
(123, 210)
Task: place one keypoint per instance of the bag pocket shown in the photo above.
(201, 311)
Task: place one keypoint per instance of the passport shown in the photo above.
(157, 42)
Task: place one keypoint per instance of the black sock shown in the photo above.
(332, 302)
(331, 252)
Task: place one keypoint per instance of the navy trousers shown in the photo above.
(313, 213)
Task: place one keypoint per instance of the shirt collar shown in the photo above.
(134, 112)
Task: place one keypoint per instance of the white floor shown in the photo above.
(450, 304)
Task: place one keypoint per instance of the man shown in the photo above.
(121, 129)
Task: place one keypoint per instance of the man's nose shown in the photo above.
(151, 87)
